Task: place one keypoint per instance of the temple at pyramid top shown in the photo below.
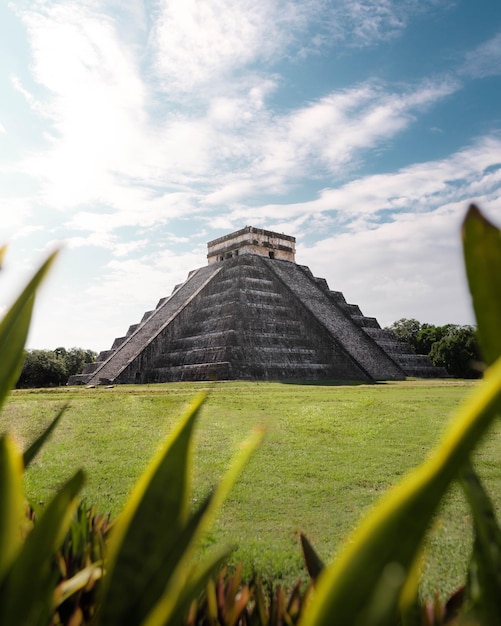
(250, 240)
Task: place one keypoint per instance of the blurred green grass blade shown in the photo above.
(364, 585)
(174, 604)
(149, 526)
(151, 545)
(484, 580)
(27, 592)
(314, 564)
(227, 482)
(482, 254)
(170, 563)
(11, 503)
(35, 447)
(14, 329)
(177, 598)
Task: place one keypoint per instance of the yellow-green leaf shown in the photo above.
(11, 503)
(28, 589)
(149, 527)
(14, 331)
(482, 254)
(35, 447)
(177, 596)
(174, 603)
(484, 580)
(154, 538)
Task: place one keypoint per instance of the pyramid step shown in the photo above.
(146, 316)
(79, 379)
(90, 368)
(395, 347)
(262, 284)
(337, 296)
(379, 334)
(201, 371)
(118, 342)
(220, 299)
(104, 355)
(256, 294)
(352, 310)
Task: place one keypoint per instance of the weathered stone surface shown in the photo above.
(251, 315)
(250, 240)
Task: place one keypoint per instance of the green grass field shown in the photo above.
(329, 452)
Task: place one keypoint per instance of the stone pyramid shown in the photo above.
(253, 313)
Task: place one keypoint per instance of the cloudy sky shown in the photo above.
(131, 133)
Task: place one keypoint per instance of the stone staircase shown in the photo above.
(111, 363)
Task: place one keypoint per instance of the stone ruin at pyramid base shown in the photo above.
(253, 313)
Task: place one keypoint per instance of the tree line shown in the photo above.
(452, 346)
(51, 368)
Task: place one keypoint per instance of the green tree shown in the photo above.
(406, 330)
(42, 368)
(76, 358)
(429, 335)
(458, 352)
(49, 368)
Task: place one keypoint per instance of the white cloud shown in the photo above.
(114, 144)
(464, 176)
(15, 214)
(93, 101)
(364, 23)
(324, 137)
(199, 43)
(485, 60)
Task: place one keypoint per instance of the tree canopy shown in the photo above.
(452, 346)
(50, 368)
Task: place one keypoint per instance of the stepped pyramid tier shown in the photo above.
(253, 313)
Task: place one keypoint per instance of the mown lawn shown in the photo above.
(329, 452)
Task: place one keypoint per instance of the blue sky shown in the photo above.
(133, 133)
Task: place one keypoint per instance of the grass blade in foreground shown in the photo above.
(484, 580)
(27, 593)
(14, 331)
(153, 539)
(314, 564)
(147, 531)
(363, 586)
(482, 254)
(185, 585)
(11, 503)
(174, 603)
(36, 446)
